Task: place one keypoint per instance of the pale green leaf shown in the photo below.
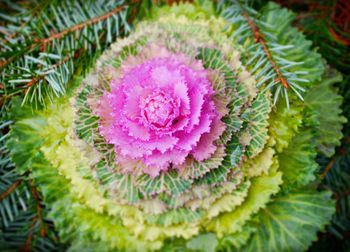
(291, 222)
(297, 161)
(325, 102)
(204, 242)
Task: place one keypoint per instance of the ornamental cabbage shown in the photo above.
(159, 111)
(175, 140)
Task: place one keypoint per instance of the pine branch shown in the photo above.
(32, 60)
(342, 151)
(80, 26)
(35, 11)
(19, 205)
(13, 187)
(259, 38)
(328, 168)
(42, 43)
(267, 54)
(37, 218)
(345, 193)
(23, 224)
(336, 177)
(29, 239)
(54, 67)
(38, 209)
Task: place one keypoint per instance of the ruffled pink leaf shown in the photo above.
(159, 111)
(205, 147)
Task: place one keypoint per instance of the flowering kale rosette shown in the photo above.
(160, 111)
(173, 140)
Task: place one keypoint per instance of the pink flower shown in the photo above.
(159, 111)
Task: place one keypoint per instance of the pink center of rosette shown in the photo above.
(159, 112)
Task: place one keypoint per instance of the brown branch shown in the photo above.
(328, 168)
(35, 80)
(3, 62)
(10, 189)
(80, 26)
(66, 59)
(259, 38)
(338, 196)
(341, 151)
(40, 77)
(64, 32)
(172, 2)
(347, 140)
(35, 11)
(42, 43)
(9, 60)
(38, 209)
(35, 219)
(29, 239)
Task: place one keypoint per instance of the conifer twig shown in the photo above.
(80, 26)
(66, 59)
(259, 38)
(28, 49)
(9, 190)
(328, 168)
(38, 209)
(345, 193)
(342, 152)
(42, 43)
(29, 239)
(35, 11)
(37, 218)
